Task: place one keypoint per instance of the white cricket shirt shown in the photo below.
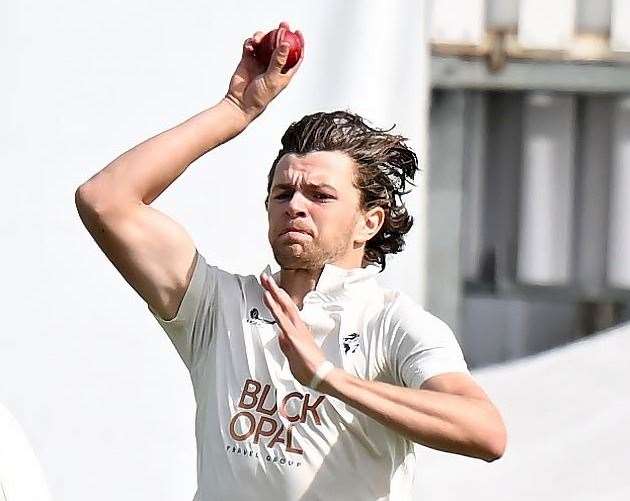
(261, 435)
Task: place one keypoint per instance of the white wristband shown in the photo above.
(322, 371)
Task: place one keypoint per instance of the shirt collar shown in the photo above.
(334, 280)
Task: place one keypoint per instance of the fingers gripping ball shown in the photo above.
(264, 50)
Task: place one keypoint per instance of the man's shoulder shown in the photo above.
(403, 311)
(229, 282)
(384, 305)
(224, 272)
(395, 301)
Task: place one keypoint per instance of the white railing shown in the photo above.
(589, 29)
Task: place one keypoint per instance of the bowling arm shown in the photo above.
(142, 173)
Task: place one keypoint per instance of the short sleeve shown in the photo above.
(191, 329)
(421, 346)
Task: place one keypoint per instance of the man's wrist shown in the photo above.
(330, 384)
(247, 116)
(323, 369)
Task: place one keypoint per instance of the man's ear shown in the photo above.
(372, 221)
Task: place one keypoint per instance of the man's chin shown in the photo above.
(295, 256)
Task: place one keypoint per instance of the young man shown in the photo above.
(312, 383)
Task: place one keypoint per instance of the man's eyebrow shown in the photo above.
(285, 186)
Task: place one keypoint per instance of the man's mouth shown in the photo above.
(295, 230)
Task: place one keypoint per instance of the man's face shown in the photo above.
(313, 193)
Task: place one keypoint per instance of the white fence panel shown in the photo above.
(458, 21)
(546, 229)
(546, 24)
(620, 26)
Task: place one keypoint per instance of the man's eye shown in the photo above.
(322, 196)
(319, 196)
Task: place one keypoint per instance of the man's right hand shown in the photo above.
(253, 86)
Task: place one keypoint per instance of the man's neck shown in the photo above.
(297, 283)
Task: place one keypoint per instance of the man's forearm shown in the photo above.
(146, 170)
(450, 423)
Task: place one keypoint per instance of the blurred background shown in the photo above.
(528, 246)
(529, 188)
(519, 112)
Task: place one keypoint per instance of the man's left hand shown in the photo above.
(295, 338)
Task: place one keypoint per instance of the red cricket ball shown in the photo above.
(271, 40)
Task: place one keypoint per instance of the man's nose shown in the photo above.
(296, 205)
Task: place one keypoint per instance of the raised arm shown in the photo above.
(155, 254)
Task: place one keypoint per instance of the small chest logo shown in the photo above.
(351, 342)
(254, 318)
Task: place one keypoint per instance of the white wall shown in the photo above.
(86, 370)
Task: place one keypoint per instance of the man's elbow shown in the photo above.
(95, 198)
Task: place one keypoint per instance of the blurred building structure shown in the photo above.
(529, 172)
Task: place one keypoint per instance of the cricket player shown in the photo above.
(313, 382)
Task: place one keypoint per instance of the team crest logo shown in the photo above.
(351, 342)
(254, 318)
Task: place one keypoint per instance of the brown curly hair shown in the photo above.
(383, 165)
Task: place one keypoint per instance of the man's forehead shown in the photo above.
(318, 167)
